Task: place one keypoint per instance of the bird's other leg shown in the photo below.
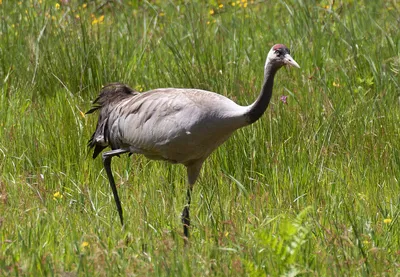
(193, 172)
(107, 156)
(185, 213)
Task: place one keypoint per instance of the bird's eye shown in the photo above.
(278, 53)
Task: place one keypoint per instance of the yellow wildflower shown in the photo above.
(84, 244)
(97, 20)
(161, 14)
(57, 6)
(211, 12)
(336, 84)
(57, 196)
(220, 6)
(84, 6)
(387, 220)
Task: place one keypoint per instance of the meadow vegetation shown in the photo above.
(312, 189)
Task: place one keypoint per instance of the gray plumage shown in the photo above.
(176, 125)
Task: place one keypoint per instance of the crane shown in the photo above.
(177, 125)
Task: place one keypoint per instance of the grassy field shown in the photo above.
(312, 189)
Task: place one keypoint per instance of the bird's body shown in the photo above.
(173, 124)
(177, 125)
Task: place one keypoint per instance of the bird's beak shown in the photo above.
(288, 60)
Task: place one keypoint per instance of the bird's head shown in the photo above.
(279, 55)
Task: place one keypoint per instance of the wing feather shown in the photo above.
(178, 125)
(172, 124)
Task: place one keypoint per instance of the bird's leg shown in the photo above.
(193, 171)
(107, 156)
(185, 213)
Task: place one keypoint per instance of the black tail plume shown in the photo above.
(109, 96)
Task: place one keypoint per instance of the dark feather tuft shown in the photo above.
(109, 96)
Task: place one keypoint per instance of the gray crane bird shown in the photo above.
(177, 125)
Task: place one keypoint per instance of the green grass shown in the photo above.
(312, 189)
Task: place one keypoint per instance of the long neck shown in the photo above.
(258, 108)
